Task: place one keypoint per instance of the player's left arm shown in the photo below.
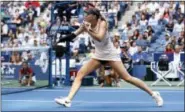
(100, 34)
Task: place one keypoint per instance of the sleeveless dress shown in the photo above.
(105, 50)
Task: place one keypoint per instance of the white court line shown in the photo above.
(112, 88)
(111, 91)
(90, 102)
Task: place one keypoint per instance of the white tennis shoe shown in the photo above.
(157, 97)
(63, 101)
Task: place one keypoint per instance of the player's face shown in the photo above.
(90, 18)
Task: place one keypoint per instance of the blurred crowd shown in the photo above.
(154, 27)
(24, 24)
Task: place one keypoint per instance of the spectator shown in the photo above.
(142, 42)
(11, 34)
(133, 48)
(167, 38)
(17, 21)
(35, 44)
(152, 6)
(176, 60)
(135, 25)
(4, 29)
(169, 49)
(129, 31)
(15, 58)
(27, 42)
(177, 14)
(20, 34)
(158, 15)
(166, 16)
(153, 21)
(140, 57)
(143, 21)
(125, 57)
(178, 27)
(26, 75)
(180, 40)
(42, 37)
(116, 37)
(117, 45)
(169, 26)
(133, 20)
(136, 35)
(173, 42)
(150, 30)
(75, 48)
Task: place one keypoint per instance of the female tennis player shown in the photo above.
(105, 53)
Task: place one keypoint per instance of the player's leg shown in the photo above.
(24, 81)
(85, 70)
(33, 81)
(120, 69)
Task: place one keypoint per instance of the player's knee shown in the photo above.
(79, 75)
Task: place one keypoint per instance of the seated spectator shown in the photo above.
(133, 20)
(178, 13)
(152, 6)
(167, 38)
(136, 35)
(115, 7)
(116, 37)
(20, 34)
(150, 30)
(133, 48)
(125, 57)
(129, 31)
(142, 42)
(169, 26)
(179, 26)
(27, 42)
(17, 21)
(153, 21)
(169, 49)
(4, 28)
(140, 57)
(11, 34)
(135, 25)
(143, 21)
(42, 36)
(147, 36)
(173, 42)
(15, 58)
(166, 16)
(158, 15)
(26, 75)
(35, 43)
(180, 40)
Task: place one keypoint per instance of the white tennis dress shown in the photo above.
(105, 50)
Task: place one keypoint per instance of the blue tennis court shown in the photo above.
(93, 99)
